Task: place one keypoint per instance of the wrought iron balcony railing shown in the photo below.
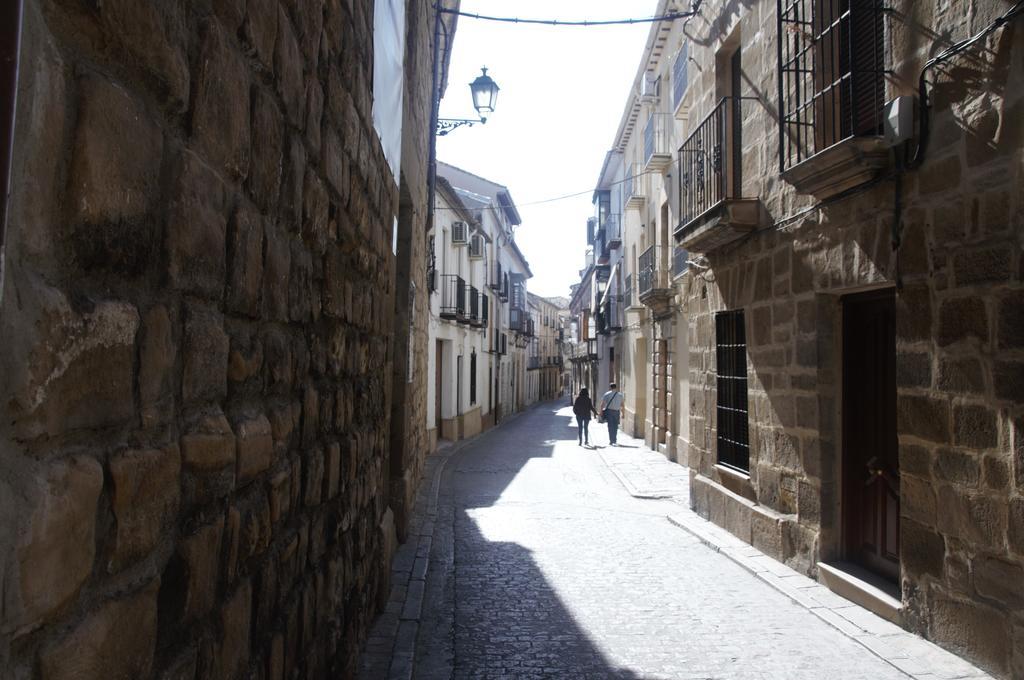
(680, 259)
(453, 298)
(495, 280)
(634, 189)
(613, 231)
(517, 319)
(705, 162)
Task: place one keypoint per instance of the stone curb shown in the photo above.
(390, 649)
(910, 654)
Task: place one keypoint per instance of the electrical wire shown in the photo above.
(584, 23)
(948, 53)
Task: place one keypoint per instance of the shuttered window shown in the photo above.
(679, 75)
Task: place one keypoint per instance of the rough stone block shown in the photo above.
(1000, 581)
(255, 447)
(314, 114)
(220, 116)
(1008, 381)
(973, 630)
(766, 534)
(113, 183)
(914, 370)
(157, 353)
(276, 274)
(301, 292)
(196, 230)
(1016, 525)
(235, 618)
(245, 257)
(145, 498)
(957, 467)
(917, 499)
(291, 186)
(975, 426)
(288, 68)
(208, 458)
(314, 214)
(153, 35)
(116, 641)
(337, 165)
(280, 495)
(940, 175)
(1010, 320)
(68, 370)
(267, 150)
(914, 313)
(922, 550)
(313, 476)
(190, 583)
(260, 30)
(55, 555)
(923, 417)
(991, 265)
(960, 375)
(205, 356)
(961, 319)
(332, 473)
(996, 473)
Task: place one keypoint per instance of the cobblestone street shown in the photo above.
(547, 559)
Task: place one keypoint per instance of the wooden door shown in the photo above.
(438, 373)
(871, 493)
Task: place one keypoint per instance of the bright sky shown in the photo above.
(563, 90)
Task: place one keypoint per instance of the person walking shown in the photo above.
(611, 405)
(583, 407)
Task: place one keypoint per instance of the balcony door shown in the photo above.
(871, 495)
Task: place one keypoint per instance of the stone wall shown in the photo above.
(196, 370)
(959, 280)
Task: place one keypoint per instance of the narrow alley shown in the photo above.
(531, 556)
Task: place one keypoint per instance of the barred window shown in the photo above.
(733, 435)
(831, 74)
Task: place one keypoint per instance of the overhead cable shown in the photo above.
(671, 16)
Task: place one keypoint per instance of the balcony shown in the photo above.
(517, 320)
(655, 290)
(532, 363)
(657, 134)
(610, 316)
(453, 298)
(634, 189)
(613, 231)
(680, 260)
(711, 211)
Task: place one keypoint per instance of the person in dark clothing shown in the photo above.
(583, 407)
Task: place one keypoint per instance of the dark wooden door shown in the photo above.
(871, 495)
(438, 373)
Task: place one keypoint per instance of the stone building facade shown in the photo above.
(209, 438)
(831, 311)
(875, 362)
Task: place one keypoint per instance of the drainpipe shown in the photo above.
(10, 42)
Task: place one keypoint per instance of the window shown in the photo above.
(733, 434)
(472, 378)
(831, 74)
(679, 75)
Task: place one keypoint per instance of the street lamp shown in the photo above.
(485, 97)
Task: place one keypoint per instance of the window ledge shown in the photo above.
(842, 166)
(735, 481)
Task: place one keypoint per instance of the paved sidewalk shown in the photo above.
(526, 560)
(647, 474)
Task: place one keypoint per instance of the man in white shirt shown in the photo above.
(611, 405)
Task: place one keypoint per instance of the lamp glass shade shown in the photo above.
(485, 93)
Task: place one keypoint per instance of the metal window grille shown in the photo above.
(733, 433)
(831, 61)
(679, 75)
(679, 260)
(656, 135)
(453, 297)
(706, 161)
